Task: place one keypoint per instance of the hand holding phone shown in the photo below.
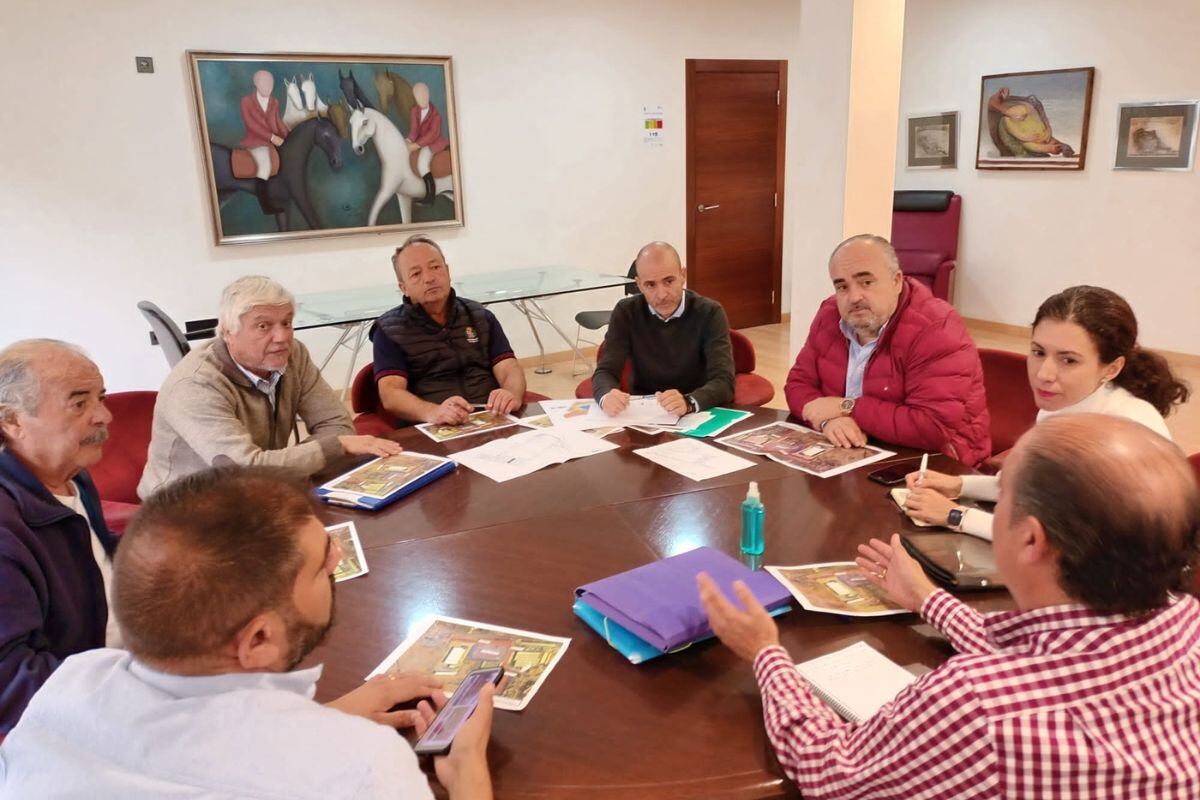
(444, 727)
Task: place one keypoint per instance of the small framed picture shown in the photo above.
(1156, 136)
(933, 141)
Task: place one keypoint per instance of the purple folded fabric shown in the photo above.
(660, 603)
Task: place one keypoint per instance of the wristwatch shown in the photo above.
(847, 405)
(955, 517)
(693, 404)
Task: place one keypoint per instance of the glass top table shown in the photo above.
(349, 306)
(354, 310)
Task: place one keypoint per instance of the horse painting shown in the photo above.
(291, 182)
(397, 176)
(303, 112)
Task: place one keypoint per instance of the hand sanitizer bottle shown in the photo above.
(752, 522)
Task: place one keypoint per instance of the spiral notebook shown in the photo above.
(855, 681)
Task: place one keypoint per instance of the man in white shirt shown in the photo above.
(223, 584)
(55, 548)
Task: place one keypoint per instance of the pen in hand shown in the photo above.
(924, 466)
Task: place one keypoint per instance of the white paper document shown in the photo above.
(505, 459)
(694, 459)
(573, 414)
(643, 410)
(856, 681)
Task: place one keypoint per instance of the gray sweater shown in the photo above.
(207, 408)
(691, 353)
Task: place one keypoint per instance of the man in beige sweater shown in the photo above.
(237, 399)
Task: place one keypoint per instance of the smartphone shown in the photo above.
(891, 476)
(445, 726)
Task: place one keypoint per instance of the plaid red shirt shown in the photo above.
(1057, 702)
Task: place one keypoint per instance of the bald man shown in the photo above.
(55, 549)
(676, 340)
(1090, 688)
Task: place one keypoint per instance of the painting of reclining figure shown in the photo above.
(1035, 120)
(299, 146)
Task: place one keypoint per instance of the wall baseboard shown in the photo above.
(1188, 359)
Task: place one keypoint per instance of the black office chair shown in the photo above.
(164, 330)
(595, 320)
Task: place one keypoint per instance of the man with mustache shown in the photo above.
(885, 358)
(223, 584)
(237, 399)
(55, 550)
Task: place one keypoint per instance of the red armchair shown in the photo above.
(925, 235)
(749, 389)
(371, 417)
(1009, 401)
(120, 467)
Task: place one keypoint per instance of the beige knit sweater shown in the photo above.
(207, 408)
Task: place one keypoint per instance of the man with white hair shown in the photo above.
(885, 358)
(236, 401)
(55, 550)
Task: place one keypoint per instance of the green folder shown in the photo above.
(722, 418)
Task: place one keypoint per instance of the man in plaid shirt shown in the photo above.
(1090, 689)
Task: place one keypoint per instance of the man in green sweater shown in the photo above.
(676, 340)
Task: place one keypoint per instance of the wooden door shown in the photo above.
(736, 112)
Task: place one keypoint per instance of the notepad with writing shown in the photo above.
(855, 681)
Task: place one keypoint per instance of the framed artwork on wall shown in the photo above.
(301, 145)
(1156, 135)
(1034, 120)
(933, 141)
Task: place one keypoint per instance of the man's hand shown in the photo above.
(464, 772)
(452, 411)
(929, 506)
(844, 432)
(614, 402)
(275, 140)
(948, 485)
(673, 402)
(821, 409)
(369, 446)
(744, 632)
(501, 401)
(373, 699)
(890, 567)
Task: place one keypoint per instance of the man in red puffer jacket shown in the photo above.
(885, 358)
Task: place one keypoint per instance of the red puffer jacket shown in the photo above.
(923, 386)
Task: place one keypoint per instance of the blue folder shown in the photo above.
(627, 644)
(352, 500)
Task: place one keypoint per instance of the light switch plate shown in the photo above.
(144, 63)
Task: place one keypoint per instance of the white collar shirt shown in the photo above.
(106, 725)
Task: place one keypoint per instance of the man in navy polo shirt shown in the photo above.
(437, 354)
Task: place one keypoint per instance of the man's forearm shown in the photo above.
(405, 405)
(472, 783)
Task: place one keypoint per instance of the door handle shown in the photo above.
(702, 208)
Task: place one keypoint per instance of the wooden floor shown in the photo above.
(774, 361)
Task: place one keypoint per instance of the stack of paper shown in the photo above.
(505, 459)
(693, 459)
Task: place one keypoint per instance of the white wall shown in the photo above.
(103, 198)
(819, 89)
(1026, 235)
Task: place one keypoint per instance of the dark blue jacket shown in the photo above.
(51, 592)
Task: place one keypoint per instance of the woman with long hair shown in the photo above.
(1083, 357)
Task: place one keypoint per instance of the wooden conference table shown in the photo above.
(683, 725)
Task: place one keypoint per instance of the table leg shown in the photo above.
(360, 337)
(541, 369)
(546, 318)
